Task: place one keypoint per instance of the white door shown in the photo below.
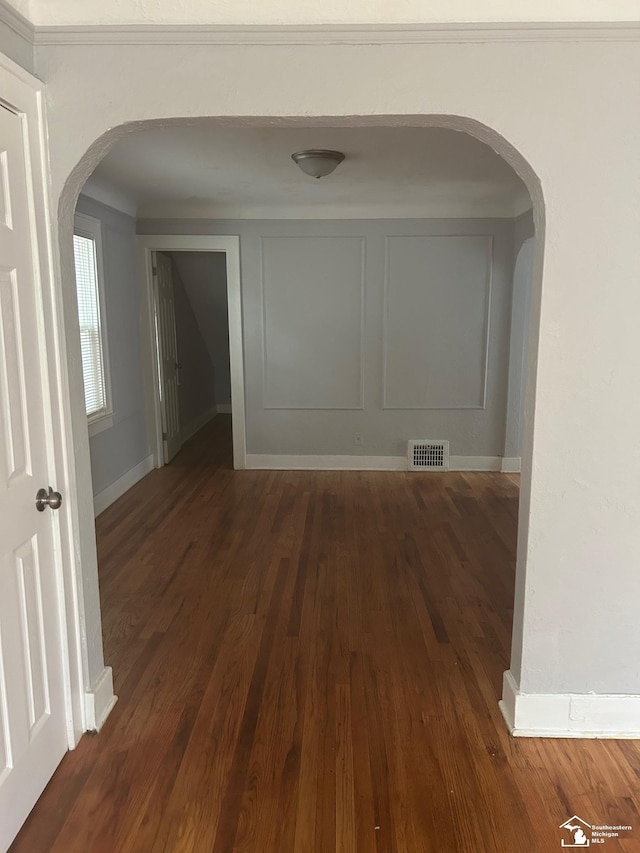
(33, 735)
(168, 366)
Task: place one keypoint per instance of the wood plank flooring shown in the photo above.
(312, 662)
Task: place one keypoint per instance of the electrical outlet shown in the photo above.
(358, 439)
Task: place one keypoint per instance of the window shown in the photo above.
(87, 249)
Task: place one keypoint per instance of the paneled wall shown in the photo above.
(360, 335)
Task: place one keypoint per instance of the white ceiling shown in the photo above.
(302, 12)
(247, 172)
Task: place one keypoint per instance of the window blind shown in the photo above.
(95, 394)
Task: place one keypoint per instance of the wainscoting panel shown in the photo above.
(436, 324)
(313, 298)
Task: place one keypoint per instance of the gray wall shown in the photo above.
(196, 391)
(204, 278)
(523, 229)
(323, 306)
(120, 448)
(523, 233)
(16, 36)
(519, 347)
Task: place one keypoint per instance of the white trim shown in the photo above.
(20, 25)
(230, 245)
(511, 465)
(474, 463)
(223, 408)
(280, 462)
(186, 432)
(99, 700)
(24, 93)
(335, 34)
(569, 715)
(111, 494)
(433, 208)
(323, 34)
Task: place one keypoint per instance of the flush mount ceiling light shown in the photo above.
(317, 162)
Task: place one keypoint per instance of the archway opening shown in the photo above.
(506, 323)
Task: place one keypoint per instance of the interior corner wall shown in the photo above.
(196, 391)
(327, 352)
(119, 449)
(523, 229)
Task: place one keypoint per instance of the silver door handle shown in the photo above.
(50, 499)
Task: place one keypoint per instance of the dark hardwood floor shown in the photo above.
(312, 662)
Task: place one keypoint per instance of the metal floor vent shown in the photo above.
(428, 455)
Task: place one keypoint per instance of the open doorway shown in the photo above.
(369, 325)
(192, 343)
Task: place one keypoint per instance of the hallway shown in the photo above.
(309, 662)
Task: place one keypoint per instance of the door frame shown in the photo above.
(160, 343)
(23, 94)
(148, 243)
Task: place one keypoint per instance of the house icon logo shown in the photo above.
(577, 830)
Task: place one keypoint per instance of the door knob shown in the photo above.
(50, 499)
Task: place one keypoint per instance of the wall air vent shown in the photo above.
(428, 455)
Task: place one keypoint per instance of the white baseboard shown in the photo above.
(111, 494)
(569, 715)
(474, 463)
(223, 408)
(186, 432)
(511, 465)
(99, 701)
(277, 462)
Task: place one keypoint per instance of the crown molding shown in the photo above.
(16, 22)
(162, 34)
(329, 34)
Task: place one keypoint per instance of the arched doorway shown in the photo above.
(66, 206)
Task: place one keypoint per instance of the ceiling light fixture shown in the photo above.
(317, 162)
